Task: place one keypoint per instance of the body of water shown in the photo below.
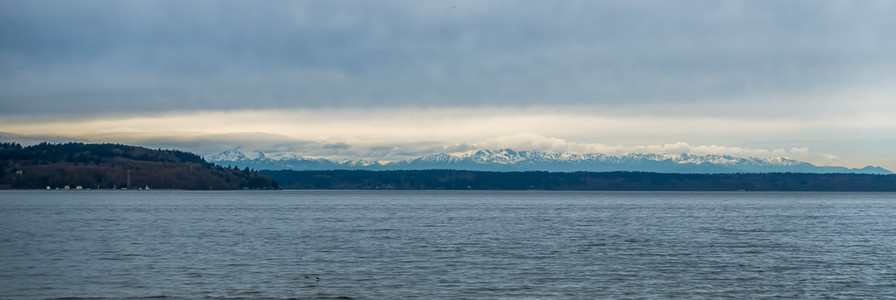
(452, 244)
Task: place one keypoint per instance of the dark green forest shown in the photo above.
(598, 181)
(108, 166)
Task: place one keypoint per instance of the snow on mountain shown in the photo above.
(276, 160)
(511, 160)
(228, 155)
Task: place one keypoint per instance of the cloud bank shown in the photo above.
(89, 58)
(389, 134)
(390, 79)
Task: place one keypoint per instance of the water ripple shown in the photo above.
(469, 245)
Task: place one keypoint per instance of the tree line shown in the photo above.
(108, 166)
(605, 181)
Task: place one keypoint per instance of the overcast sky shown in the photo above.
(812, 80)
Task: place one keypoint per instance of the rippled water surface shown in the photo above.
(426, 244)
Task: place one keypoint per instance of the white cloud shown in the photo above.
(394, 134)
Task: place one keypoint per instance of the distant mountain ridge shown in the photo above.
(511, 160)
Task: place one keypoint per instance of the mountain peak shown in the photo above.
(513, 160)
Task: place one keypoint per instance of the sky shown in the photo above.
(390, 80)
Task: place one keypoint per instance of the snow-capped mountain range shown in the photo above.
(510, 160)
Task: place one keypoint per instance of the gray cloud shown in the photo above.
(96, 57)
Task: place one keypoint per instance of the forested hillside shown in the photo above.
(108, 166)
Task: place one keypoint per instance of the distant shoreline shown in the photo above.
(578, 181)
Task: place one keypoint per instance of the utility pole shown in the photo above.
(129, 179)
